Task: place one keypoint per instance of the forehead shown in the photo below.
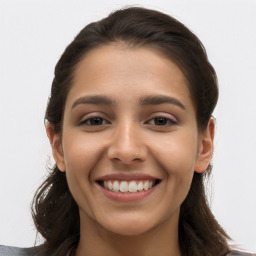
(116, 68)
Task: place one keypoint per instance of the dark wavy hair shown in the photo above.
(54, 210)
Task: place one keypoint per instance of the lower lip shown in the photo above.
(127, 196)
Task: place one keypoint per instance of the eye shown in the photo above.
(162, 121)
(95, 121)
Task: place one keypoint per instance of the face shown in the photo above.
(130, 143)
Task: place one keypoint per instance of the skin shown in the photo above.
(129, 139)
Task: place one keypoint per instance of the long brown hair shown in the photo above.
(54, 210)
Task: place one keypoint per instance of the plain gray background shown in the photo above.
(33, 34)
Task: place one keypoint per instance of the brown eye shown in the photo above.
(95, 121)
(161, 121)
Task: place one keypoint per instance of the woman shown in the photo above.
(130, 123)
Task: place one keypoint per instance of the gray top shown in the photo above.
(15, 251)
(240, 253)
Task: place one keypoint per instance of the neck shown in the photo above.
(98, 241)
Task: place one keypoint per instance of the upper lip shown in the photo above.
(127, 176)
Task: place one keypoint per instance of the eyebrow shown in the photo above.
(144, 101)
(160, 99)
(94, 99)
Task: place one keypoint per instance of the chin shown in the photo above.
(128, 227)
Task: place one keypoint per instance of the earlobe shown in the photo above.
(205, 147)
(57, 151)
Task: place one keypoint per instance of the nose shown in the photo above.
(127, 145)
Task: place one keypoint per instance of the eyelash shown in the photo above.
(94, 118)
(167, 121)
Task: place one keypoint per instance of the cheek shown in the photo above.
(177, 152)
(82, 153)
(81, 156)
(177, 156)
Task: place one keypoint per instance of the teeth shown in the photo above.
(140, 186)
(124, 186)
(116, 186)
(105, 184)
(127, 186)
(110, 185)
(146, 185)
(133, 186)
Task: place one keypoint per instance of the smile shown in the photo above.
(127, 187)
(124, 186)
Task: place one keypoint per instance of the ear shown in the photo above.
(55, 140)
(205, 147)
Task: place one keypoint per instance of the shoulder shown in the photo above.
(240, 253)
(15, 251)
(32, 251)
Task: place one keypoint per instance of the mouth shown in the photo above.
(128, 186)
